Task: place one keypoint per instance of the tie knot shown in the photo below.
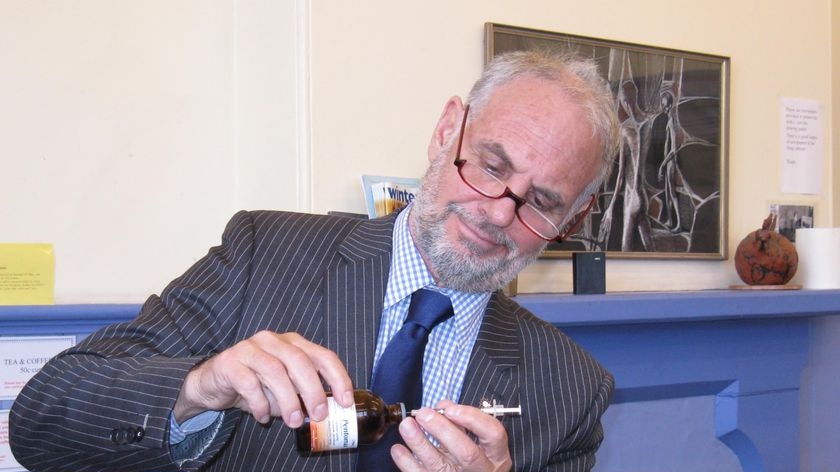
(428, 308)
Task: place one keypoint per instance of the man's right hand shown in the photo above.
(264, 375)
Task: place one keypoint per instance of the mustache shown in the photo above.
(493, 232)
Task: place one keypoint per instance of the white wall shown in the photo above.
(835, 101)
(271, 97)
(115, 136)
(131, 131)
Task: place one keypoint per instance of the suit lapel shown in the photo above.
(354, 296)
(491, 374)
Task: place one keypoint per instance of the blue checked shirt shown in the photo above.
(451, 342)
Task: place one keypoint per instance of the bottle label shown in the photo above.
(339, 430)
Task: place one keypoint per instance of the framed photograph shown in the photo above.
(666, 196)
(789, 217)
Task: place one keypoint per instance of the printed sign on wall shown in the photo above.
(22, 357)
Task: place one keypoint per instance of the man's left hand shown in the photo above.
(457, 451)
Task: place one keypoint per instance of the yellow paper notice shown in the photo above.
(27, 274)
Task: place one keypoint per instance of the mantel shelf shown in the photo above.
(558, 309)
(663, 307)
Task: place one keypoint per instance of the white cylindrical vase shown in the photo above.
(819, 257)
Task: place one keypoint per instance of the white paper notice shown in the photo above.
(802, 148)
(22, 357)
(7, 460)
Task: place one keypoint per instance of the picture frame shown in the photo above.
(673, 111)
(790, 217)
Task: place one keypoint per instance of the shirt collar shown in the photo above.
(408, 269)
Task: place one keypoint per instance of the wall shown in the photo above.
(835, 95)
(139, 127)
(115, 136)
(132, 131)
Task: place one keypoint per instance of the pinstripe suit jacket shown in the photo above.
(323, 277)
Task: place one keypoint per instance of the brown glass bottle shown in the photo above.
(345, 428)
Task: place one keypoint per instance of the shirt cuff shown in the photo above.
(179, 432)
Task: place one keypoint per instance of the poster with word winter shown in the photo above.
(385, 195)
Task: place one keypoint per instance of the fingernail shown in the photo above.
(408, 429)
(320, 412)
(265, 419)
(349, 398)
(452, 411)
(295, 419)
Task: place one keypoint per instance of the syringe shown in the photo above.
(495, 410)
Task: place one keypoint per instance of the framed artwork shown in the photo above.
(666, 196)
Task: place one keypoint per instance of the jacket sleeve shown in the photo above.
(105, 403)
(577, 453)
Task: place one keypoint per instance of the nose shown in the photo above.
(500, 212)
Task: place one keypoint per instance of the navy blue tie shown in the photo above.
(399, 374)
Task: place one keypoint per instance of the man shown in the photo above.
(215, 373)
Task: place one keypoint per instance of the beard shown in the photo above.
(468, 268)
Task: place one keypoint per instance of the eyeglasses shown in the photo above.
(482, 180)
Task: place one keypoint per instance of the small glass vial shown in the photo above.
(346, 428)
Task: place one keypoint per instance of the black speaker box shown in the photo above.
(589, 272)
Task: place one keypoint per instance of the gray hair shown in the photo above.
(578, 77)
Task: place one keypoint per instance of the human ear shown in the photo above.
(447, 127)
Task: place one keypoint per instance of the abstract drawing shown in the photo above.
(666, 196)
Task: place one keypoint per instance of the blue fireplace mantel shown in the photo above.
(667, 307)
(750, 351)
